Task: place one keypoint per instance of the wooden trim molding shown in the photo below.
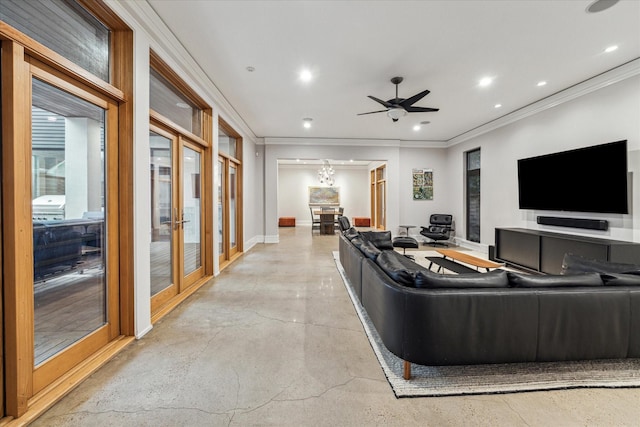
(17, 228)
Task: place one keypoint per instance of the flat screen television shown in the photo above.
(591, 179)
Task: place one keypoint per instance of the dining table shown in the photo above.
(327, 220)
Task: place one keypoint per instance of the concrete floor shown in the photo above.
(274, 340)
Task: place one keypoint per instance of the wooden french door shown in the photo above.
(177, 232)
(61, 222)
(229, 210)
(379, 198)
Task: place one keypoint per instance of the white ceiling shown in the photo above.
(353, 48)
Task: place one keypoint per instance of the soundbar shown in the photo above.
(590, 224)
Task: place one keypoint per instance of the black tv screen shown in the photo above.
(591, 179)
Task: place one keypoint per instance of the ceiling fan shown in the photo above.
(399, 107)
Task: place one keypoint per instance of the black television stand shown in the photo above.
(543, 251)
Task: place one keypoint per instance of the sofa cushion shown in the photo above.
(619, 279)
(520, 280)
(357, 241)
(381, 239)
(576, 264)
(369, 250)
(389, 262)
(493, 279)
(351, 233)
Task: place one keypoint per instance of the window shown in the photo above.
(473, 195)
(77, 35)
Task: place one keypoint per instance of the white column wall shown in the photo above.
(82, 167)
(141, 187)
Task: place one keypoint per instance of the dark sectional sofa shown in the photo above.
(498, 317)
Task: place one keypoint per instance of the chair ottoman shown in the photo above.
(405, 242)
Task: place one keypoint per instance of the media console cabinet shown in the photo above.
(543, 251)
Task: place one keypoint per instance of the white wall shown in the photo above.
(606, 115)
(417, 212)
(293, 190)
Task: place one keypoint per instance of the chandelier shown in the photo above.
(325, 173)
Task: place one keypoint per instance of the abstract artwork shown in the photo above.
(422, 184)
(324, 195)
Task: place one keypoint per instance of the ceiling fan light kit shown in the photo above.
(399, 107)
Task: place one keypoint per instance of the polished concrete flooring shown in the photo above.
(274, 340)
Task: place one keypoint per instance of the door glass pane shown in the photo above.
(161, 212)
(68, 182)
(226, 143)
(76, 35)
(233, 184)
(165, 99)
(220, 207)
(191, 212)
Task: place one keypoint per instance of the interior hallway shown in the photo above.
(274, 340)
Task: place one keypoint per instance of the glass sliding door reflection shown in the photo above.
(221, 208)
(68, 202)
(161, 212)
(233, 214)
(191, 208)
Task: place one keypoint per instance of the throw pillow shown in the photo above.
(381, 239)
(576, 264)
(520, 280)
(618, 279)
(493, 279)
(369, 250)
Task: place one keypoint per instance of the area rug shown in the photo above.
(490, 379)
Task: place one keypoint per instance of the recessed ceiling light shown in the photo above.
(611, 49)
(305, 75)
(497, 106)
(52, 119)
(297, 160)
(542, 83)
(251, 69)
(600, 5)
(306, 122)
(425, 122)
(416, 128)
(485, 81)
(183, 105)
(351, 161)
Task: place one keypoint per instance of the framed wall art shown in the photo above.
(324, 196)
(422, 184)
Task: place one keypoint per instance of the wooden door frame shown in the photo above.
(19, 398)
(162, 297)
(239, 249)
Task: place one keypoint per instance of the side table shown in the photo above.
(407, 227)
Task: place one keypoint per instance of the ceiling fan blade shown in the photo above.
(371, 112)
(415, 98)
(380, 101)
(420, 109)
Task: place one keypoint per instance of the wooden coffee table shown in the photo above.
(451, 264)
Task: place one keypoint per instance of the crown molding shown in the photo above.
(615, 75)
(357, 142)
(169, 48)
(332, 141)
